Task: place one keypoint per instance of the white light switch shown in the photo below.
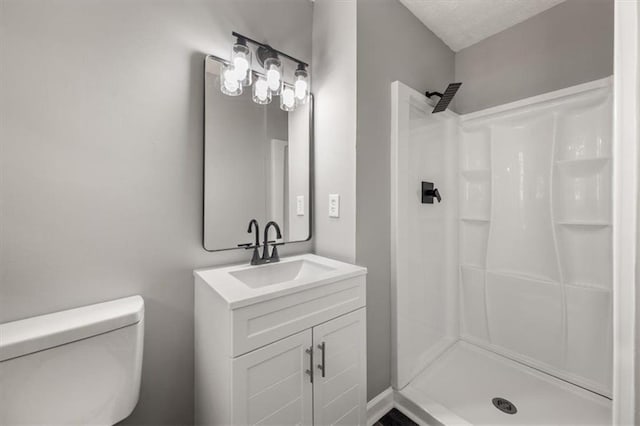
(334, 205)
(300, 205)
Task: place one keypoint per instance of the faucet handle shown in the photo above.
(255, 258)
(436, 194)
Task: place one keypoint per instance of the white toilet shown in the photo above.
(80, 366)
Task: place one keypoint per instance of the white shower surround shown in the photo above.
(540, 207)
(535, 259)
(428, 308)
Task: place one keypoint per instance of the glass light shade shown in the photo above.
(229, 84)
(301, 86)
(261, 92)
(287, 98)
(241, 61)
(273, 70)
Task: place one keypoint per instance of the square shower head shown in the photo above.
(446, 98)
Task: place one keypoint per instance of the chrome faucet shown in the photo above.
(256, 259)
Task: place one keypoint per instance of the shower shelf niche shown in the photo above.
(475, 219)
(583, 191)
(475, 194)
(584, 167)
(475, 207)
(579, 223)
(595, 162)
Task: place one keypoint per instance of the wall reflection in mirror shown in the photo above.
(256, 166)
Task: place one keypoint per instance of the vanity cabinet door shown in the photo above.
(271, 385)
(340, 381)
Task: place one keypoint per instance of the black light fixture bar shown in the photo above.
(266, 46)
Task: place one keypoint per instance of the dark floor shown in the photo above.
(395, 418)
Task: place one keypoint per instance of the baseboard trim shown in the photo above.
(379, 406)
(389, 399)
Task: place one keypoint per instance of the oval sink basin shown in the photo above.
(276, 273)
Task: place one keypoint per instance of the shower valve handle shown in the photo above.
(429, 193)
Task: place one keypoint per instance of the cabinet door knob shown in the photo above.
(321, 366)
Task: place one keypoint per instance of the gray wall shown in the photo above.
(569, 44)
(392, 45)
(637, 283)
(101, 164)
(334, 86)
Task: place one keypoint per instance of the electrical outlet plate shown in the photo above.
(334, 205)
(300, 205)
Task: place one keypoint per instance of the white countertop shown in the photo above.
(237, 294)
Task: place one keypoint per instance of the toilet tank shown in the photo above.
(81, 366)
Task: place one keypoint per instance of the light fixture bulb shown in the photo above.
(273, 79)
(262, 88)
(230, 78)
(301, 84)
(241, 66)
(273, 68)
(287, 98)
(241, 61)
(229, 84)
(301, 89)
(261, 93)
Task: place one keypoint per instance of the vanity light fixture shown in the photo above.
(301, 85)
(238, 73)
(287, 98)
(241, 61)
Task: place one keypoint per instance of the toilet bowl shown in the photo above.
(80, 366)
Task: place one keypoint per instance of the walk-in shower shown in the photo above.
(502, 293)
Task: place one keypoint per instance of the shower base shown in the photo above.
(458, 388)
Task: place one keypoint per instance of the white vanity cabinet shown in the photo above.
(339, 382)
(292, 352)
(271, 384)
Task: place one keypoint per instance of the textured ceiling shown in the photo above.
(461, 23)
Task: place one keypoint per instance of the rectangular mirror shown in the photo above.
(257, 165)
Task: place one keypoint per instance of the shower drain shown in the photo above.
(504, 405)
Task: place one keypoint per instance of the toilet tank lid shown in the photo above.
(22, 337)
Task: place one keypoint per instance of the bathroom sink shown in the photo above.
(275, 273)
(243, 285)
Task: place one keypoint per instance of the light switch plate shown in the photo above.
(300, 205)
(334, 205)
